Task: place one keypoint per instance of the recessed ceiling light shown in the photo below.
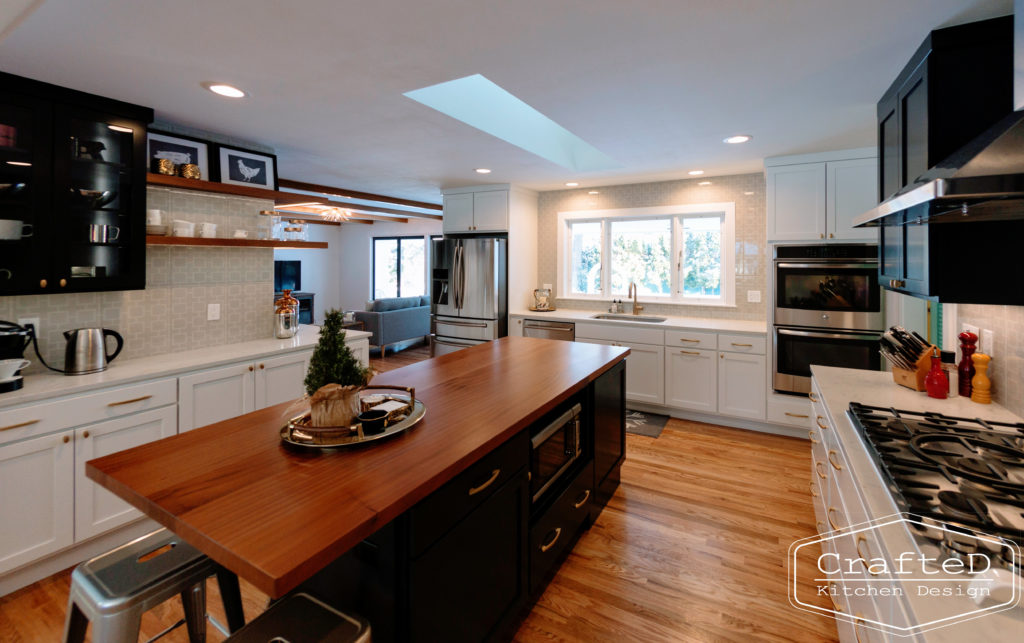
(738, 138)
(221, 89)
(704, 183)
(119, 128)
(482, 170)
(695, 172)
(20, 163)
(572, 184)
(593, 192)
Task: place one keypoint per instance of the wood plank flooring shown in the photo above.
(692, 547)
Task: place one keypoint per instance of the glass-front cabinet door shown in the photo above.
(24, 191)
(99, 201)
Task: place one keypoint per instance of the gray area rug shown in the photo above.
(643, 423)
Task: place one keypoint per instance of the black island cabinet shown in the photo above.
(72, 190)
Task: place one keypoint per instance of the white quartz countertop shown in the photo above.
(47, 386)
(672, 322)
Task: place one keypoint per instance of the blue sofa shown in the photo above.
(396, 319)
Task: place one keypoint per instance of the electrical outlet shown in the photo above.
(25, 321)
(212, 312)
(753, 296)
(988, 343)
(970, 329)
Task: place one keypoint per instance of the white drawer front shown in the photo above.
(742, 343)
(790, 410)
(38, 419)
(691, 339)
(623, 334)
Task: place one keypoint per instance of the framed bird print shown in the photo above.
(245, 167)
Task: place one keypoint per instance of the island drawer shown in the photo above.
(691, 339)
(555, 531)
(755, 344)
(441, 510)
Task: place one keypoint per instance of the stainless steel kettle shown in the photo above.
(86, 350)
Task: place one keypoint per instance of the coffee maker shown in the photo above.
(14, 339)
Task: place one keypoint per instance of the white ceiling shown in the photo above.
(655, 84)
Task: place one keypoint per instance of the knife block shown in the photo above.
(914, 379)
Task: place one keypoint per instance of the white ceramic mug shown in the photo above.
(207, 230)
(13, 229)
(154, 217)
(9, 367)
(183, 228)
(241, 234)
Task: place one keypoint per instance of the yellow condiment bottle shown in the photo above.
(981, 385)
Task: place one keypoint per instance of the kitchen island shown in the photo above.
(437, 523)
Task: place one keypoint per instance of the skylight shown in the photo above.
(478, 102)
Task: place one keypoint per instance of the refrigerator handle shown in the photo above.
(456, 275)
(462, 275)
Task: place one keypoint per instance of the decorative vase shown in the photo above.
(334, 405)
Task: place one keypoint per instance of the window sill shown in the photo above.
(664, 302)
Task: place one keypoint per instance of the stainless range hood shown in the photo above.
(984, 180)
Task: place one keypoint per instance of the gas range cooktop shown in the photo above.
(966, 474)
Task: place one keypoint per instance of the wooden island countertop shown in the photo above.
(275, 515)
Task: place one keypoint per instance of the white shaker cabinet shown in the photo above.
(741, 385)
(458, 213)
(216, 394)
(852, 190)
(645, 368)
(280, 379)
(691, 379)
(796, 202)
(96, 509)
(36, 498)
(482, 208)
(490, 211)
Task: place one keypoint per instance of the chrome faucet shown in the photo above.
(637, 308)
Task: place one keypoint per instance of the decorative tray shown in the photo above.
(298, 432)
(543, 310)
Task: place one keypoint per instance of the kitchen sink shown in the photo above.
(651, 319)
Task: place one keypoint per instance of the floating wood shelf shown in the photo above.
(279, 198)
(152, 240)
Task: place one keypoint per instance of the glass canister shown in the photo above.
(265, 225)
(286, 316)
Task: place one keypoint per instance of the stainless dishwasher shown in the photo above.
(549, 329)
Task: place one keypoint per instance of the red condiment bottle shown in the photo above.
(936, 382)
(965, 370)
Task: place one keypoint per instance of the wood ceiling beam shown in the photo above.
(365, 196)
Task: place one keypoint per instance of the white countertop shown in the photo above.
(46, 386)
(839, 387)
(672, 322)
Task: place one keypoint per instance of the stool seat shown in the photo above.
(300, 618)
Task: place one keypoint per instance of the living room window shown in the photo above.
(399, 267)
(675, 254)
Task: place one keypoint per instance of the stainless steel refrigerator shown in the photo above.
(468, 292)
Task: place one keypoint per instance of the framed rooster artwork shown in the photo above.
(246, 167)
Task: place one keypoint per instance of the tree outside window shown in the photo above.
(399, 267)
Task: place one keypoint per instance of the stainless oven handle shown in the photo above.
(552, 428)
(809, 333)
(440, 322)
(825, 264)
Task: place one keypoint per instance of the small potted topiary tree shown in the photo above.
(335, 376)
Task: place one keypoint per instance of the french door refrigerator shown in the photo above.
(468, 293)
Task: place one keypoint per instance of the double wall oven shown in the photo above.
(828, 311)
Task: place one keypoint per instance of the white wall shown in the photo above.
(320, 268)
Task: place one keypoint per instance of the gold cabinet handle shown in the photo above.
(494, 476)
(688, 352)
(832, 597)
(831, 236)
(821, 474)
(85, 434)
(63, 282)
(818, 421)
(582, 501)
(251, 369)
(831, 521)
(864, 557)
(743, 345)
(821, 235)
(131, 401)
(812, 398)
(832, 459)
(19, 425)
(811, 435)
(856, 627)
(820, 525)
(802, 416)
(549, 545)
(66, 439)
(692, 341)
(814, 494)
(261, 367)
(42, 283)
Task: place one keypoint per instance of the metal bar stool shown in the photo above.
(114, 589)
(300, 618)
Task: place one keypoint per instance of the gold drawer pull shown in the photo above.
(582, 501)
(864, 558)
(812, 398)
(818, 421)
(811, 434)
(832, 597)
(831, 521)
(814, 494)
(802, 416)
(832, 457)
(743, 345)
(131, 401)
(817, 467)
(689, 353)
(494, 476)
(856, 628)
(692, 341)
(549, 545)
(820, 525)
(20, 425)
(67, 439)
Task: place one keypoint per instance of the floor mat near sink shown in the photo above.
(643, 423)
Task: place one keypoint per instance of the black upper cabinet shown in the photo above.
(74, 174)
(958, 83)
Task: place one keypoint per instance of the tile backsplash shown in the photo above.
(1007, 367)
(747, 191)
(170, 314)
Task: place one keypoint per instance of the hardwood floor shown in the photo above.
(404, 357)
(692, 547)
